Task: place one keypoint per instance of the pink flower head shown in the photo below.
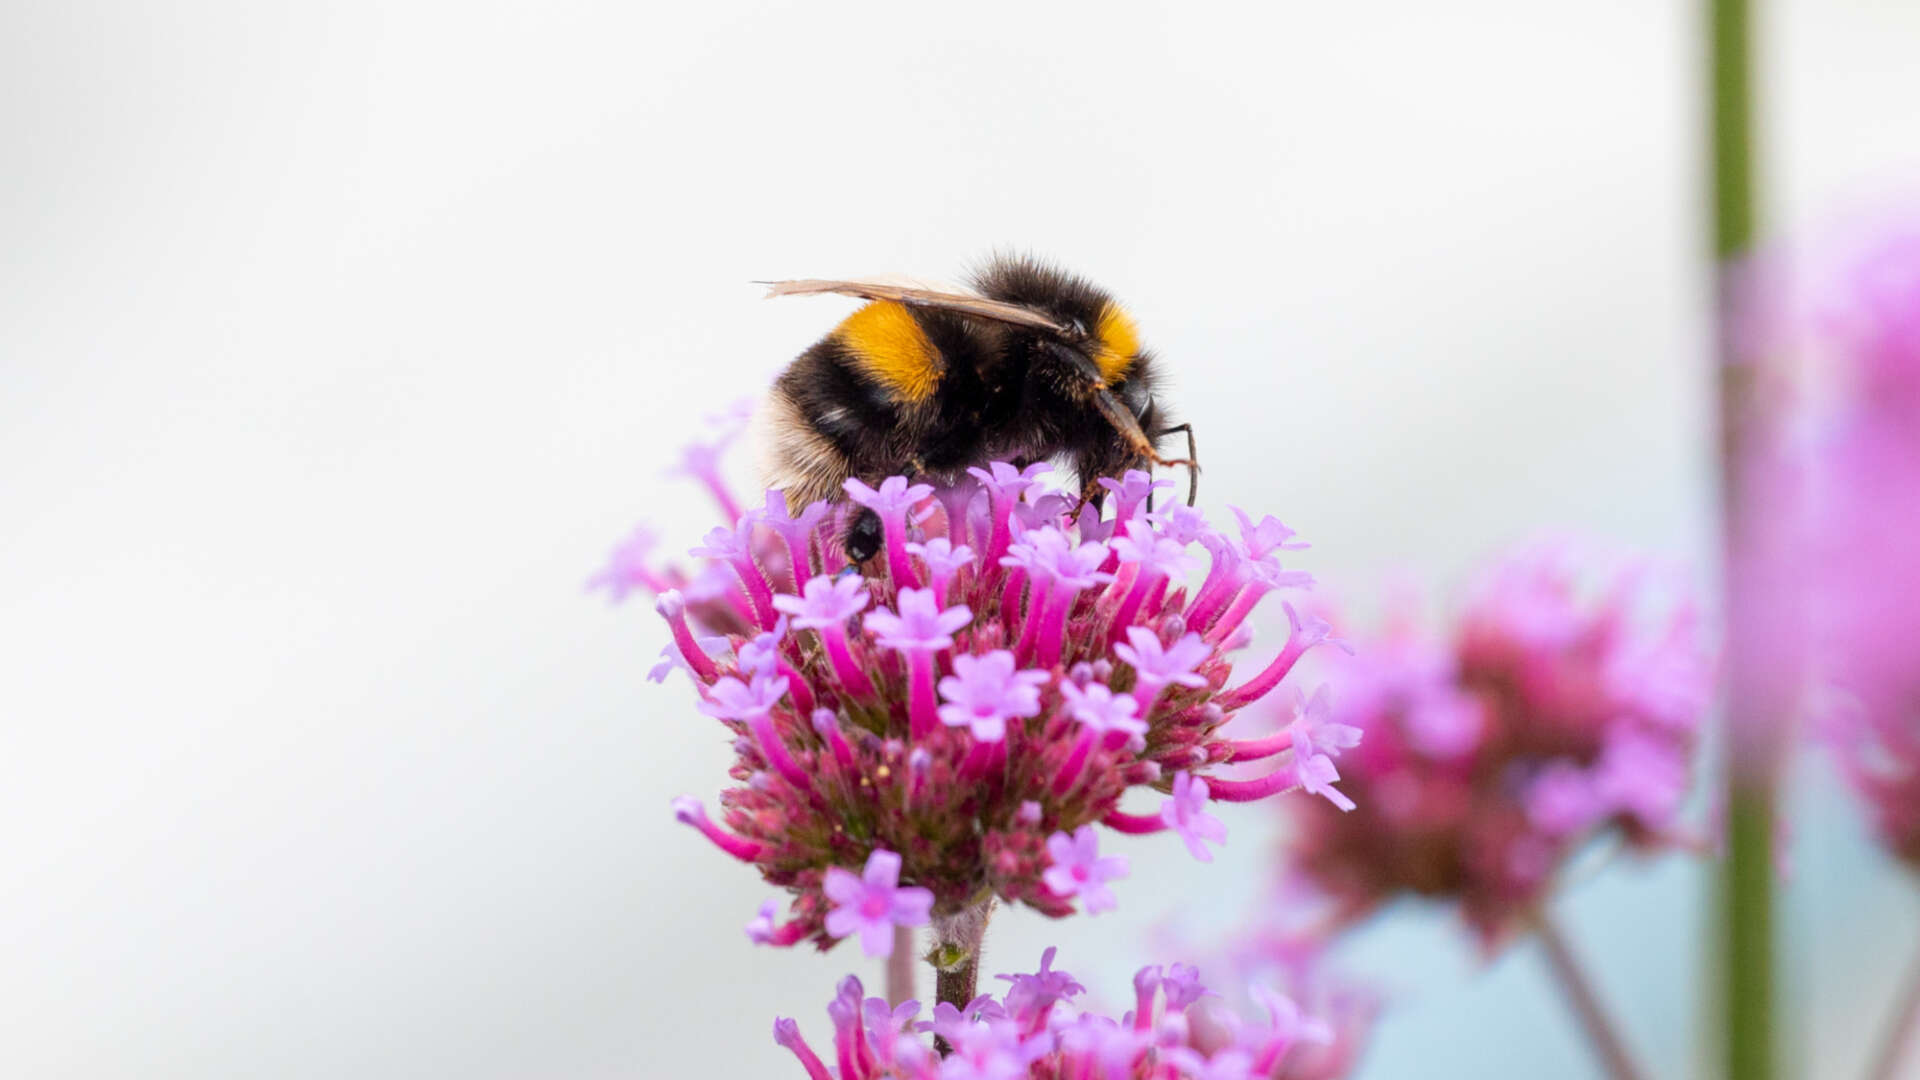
(1286, 1021)
(960, 726)
(1078, 870)
(731, 699)
(1030, 996)
(1134, 489)
(1185, 812)
(1258, 541)
(893, 498)
(1491, 754)
(1101, 710)
(727, 543)
(1316, 773)
(760, 928)
(763, 930)
(761, 655)
(1153, 552)
(1316, 740)
(1039, 1032)
(1864, 335)
(984, 692)
(1053, 559)
(1007, 482)
(1642, 775)
(1182, 986)
(920, 625)
(1868, 312)
(1181, 523)
(942, 558)
(1042, 511)
(824, 601)
(873, 903)
(1563, 800)
(1445, 726)
(795, 533)
(628, 567)
(701, 462)
(1158, 665)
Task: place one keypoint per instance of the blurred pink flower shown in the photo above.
(1565, 702)
(1865, 330)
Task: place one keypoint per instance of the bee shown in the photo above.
(1033, 364)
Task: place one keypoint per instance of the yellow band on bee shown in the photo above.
(889, 345)
(1119, 343)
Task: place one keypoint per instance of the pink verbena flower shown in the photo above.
(873, 903)
(1078, 869)
(1101, 711)
(1488, 758)
(1185, 812)
(1284, 947)
(984, 692)
(919, 625)
(629, 567)
(1860, 330)
(1037, 1031)
(1007, 673)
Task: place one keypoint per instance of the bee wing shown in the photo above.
(977, 306)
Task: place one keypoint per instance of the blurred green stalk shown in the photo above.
(1732, 122)
(1747, 943)
(1746, 885)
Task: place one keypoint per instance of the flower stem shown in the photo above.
(900, 966)
(956, 954)
(957, 986)
(1757, 679)
(1900, 1027)
(1585, 1002)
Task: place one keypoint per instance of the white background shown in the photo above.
(337, 342)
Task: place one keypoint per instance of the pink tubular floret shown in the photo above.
(1248, 790)
(688, 811)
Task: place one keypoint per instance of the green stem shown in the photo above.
(1746, 885)
(1731, 44)
(1747, 917)
(957, 941)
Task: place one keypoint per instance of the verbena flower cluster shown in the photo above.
(1035, 1031)
(959, 725)
(1867, 326)
(1553, 712)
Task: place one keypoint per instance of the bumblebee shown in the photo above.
(1033, 364)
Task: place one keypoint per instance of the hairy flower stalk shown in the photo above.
(913, 746)
(1036, 1031)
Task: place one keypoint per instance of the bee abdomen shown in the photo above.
(831, 410)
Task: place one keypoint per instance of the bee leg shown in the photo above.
(1136, 441)
(863, 539)
(1091, 493)
(1192, 462)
